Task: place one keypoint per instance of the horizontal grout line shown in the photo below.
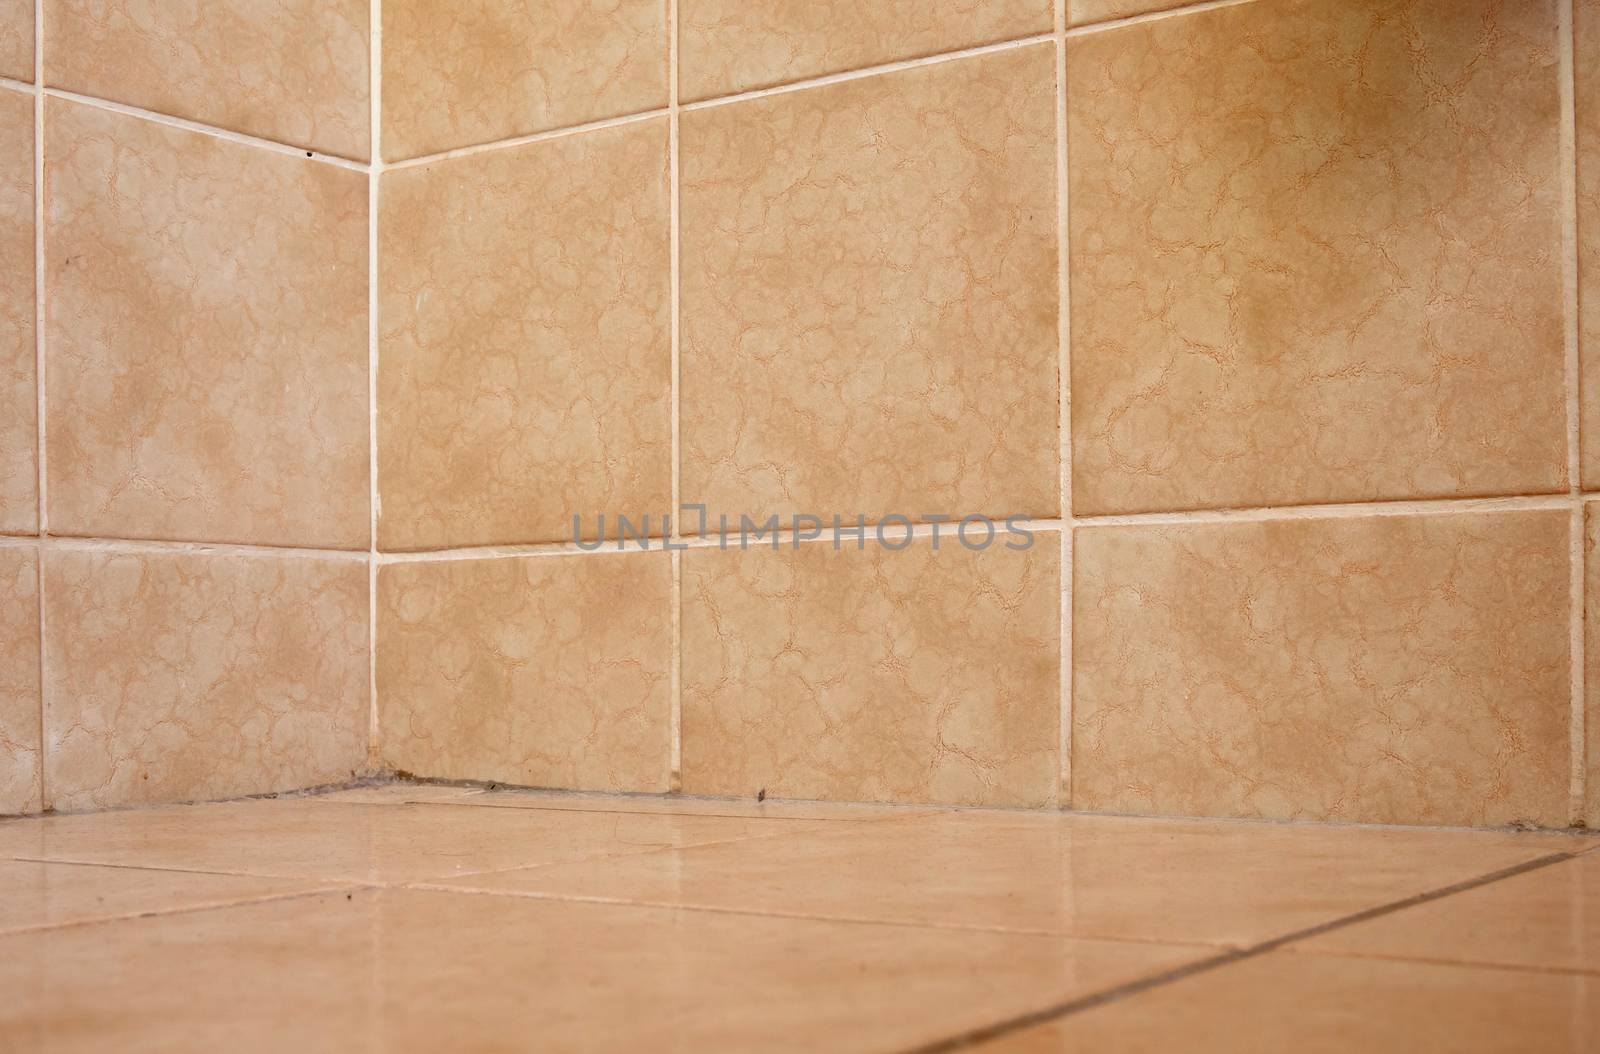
(1153, 16)
(1464, 964)
(1340, 510)
(142, 545)
(868, 71)
(525, 140)
(204, 129)
(976, 1037)
(247, 139)
(242, 901)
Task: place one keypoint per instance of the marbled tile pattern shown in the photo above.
(206, 337)
(19, 680)
(19, 397)
(295, 71)
(474, 71)
(190, 676)
(16, 39)
(1315, 255)
(727, 46)
(1591, 652)
(1385, 669)
(525, 364)
(869, 296)
(1082, 12)
(917, 675)
(1586, 72)
(546, 671)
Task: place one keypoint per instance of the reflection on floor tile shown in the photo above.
(1228, 883)
(475, 919)
(411, 970)
(1549, 919)
(357, 842)
(1310, 1003)
(38, 895)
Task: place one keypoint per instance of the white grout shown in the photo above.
(374, 177)
(1154, 16)
(42, 495)
(524, 140)
(1574, 378)
(65, 543)
(1064, 412)
(675, 266)
(869, 71)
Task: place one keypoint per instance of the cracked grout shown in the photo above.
(976, 1038)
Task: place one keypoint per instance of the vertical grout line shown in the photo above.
(675, 762)
(38, 378)
(1064, 408)
(1573, 374)
(374, 171)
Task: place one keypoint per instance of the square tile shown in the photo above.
(525, 369)
(900, 676)
(1178, 881)
(19, 680)
(16, 40)
(1316, 255)
(1394, 669)
(869, 296)
(207, 337)
(548, 671)
(1540, 920)
(352, 842)
(174, 677)
(402, 969)
(19, 394)
(477, 71)
(727, 46)
(1586, 73)
(294, 71)
(43, 895)
(1308, 1003)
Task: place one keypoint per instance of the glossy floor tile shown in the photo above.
(1546, 919)
(298, 837)
(41, 895)
(362, 920)
(1312, 1004)
(1213, 883)
(417, 970)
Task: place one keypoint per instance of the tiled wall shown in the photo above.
(1267, 316)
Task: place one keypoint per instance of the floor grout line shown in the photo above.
(1577, 745)
(374, 178)
(269, 898)
(977, 1037)
(1154, 16)
(455, 153)
(1465, 964)
(41, 424)
(73, 543)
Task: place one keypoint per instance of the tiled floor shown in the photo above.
(435, 918)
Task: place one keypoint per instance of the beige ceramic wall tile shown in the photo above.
(1387, 669)
(1591, 625)
(526, 366)
(19, 681)
(207, 337)
(296, 71)
(546, 671)
(1316, 255)
(19, 396)
(873, 676)
(16, 39)
(476, 71)
(1587, 74)
(729, 46)
(1082, 12)
(174, 677)
(869, 296)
